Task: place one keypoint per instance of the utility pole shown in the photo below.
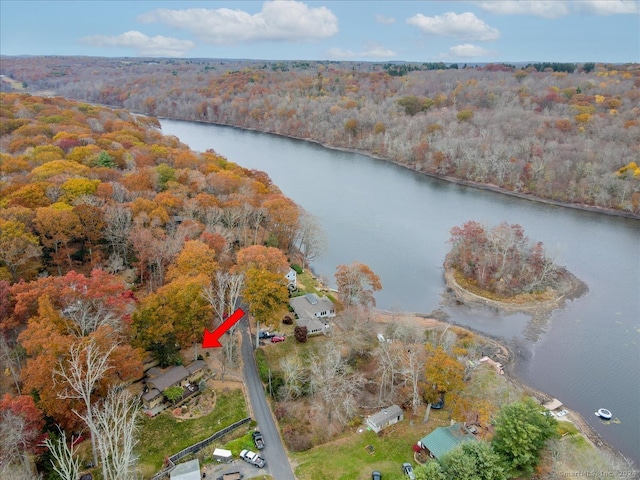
(257, 334)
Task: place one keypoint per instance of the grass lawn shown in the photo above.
(164, 435)
(348, 458)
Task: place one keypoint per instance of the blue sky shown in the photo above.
(417, 31)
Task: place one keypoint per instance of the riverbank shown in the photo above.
(454, 180)
(504, 354)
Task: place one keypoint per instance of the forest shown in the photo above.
(565, 133)
(118, 246)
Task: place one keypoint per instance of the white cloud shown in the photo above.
(145, 46)
(464, 25)
(372, 51)
(467, 50)
(559, 8)
(609, 7)
(538, 8)
(279, 20)
(385, 20)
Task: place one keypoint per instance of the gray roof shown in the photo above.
(312, 323)
(385, 415)
(172, 376)
(151, 394)
(186, 471)
(310, 304)
(196, 366)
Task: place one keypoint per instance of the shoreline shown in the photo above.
(444, 178)
(507, 357)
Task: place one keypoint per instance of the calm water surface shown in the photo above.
(398, 222)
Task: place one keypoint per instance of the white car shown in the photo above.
(252, 458)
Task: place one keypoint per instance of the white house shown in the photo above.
(310, 305)
(292, 278)
(312, 312)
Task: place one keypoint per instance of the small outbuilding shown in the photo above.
(186, 471)
(444, 439)
(385, 417)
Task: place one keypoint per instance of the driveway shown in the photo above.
(274, 452)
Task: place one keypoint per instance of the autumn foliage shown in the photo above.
(501, 260)
(110, 236)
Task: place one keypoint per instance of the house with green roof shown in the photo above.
(444, 439)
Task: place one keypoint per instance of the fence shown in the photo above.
(196, 447)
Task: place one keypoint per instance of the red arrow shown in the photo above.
(211, 339)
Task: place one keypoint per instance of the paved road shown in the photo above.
(274, 453)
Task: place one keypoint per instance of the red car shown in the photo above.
(277, 339)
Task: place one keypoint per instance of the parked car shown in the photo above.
(265, 334)
(407, 469)
(277, 339)
(258, 439)
(253, 458)
(376, 475)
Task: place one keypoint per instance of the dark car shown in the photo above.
(376, 475)
(407, 469)
(258, 440)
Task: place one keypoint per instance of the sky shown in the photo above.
(415, 31)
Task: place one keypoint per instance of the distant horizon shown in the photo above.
(471, 31)
(376, 62)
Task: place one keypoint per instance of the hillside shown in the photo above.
(567, 133)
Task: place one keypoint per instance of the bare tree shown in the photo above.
(15, 435)
(11, 360)
(294, 376)
(115, 425)
(311, 239)
(87, 315)
(223, 296)
(388, 370)
(118, 225)
(81, 371)
(333, 385)
(65, 462)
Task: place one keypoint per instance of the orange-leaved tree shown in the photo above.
(356, 284)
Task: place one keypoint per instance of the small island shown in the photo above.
(502, 268)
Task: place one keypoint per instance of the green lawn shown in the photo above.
(164, 435)
(349, 459)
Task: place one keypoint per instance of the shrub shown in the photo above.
(301, 334)
(287, 320)
(297, 268)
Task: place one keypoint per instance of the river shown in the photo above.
(398, 221)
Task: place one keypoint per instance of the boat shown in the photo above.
(604, 413)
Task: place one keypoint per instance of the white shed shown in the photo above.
(385, 417)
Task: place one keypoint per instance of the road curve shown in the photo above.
(274, 453)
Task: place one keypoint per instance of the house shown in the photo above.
(186, 471)
(314, 325)
(444, 439)
(384, 418)
(292, 279)
(178, 375)
(311, 310)
(310, 305)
